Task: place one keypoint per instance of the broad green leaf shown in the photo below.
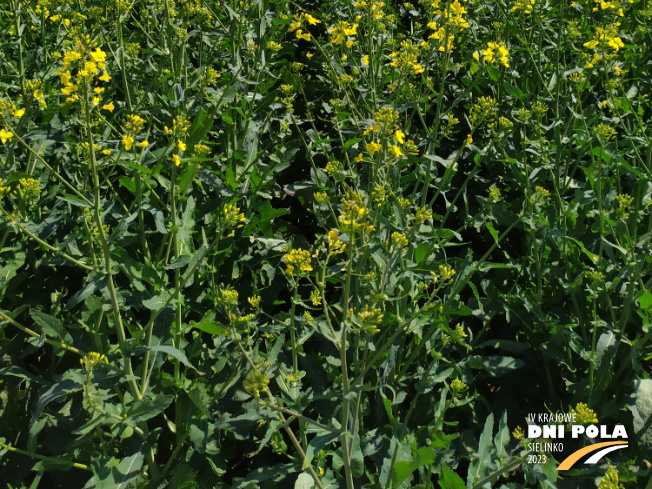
(495, 365)
(316, 444)
(502, 438)
(304, 481)
(450, 480)
(184, 478)
(482, 461)
(170, 350)
(403, 470)
(640, 405)
(51, 326)
(493, 232)
(493, 73)
(211, 327)
(127, 473)
(148, 408)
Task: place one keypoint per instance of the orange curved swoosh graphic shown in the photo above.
(575, 456)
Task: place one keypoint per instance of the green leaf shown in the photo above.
(493, 73)
(403, 470)
(493, 232)
(513, 91)
(170, 350)
(55, 392)
(645, 301)
(210, 327)
(480, 465)
(127, 473)
(51, 326)
(156, 302)
(184, 478)
(357, 459)
(641, 407)
(304, 481)
(128, 183)
(495, 365)
(502, 437)
(148, 408)
(450, 480)
(316, 444)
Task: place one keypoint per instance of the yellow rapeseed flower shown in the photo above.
(110, 107)
(5, 135)
(373, 147)
(127, 141)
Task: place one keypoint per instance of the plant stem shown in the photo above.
(43, 457)
(106, 251)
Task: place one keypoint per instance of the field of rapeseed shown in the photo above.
(336, 244)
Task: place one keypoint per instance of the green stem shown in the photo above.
(43, 457)
(293, 339)
(36, 335)
(54, 249)
(54, 172)
(21, 66)
(123, 66)
(106, 251)
(348, 475)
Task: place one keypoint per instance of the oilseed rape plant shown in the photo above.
(328, 244)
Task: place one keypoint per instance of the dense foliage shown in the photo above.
(257, 244)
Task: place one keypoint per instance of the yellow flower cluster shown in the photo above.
(527, 6)
(610, 479)
(496, 51)
(254, 301)
(342, 32)
(35, 88)
(335, 244)
(29, 188)
(180, 126)
(483, 110)
(406, 60)
(376, 8)
(445, 43)
(229, 296)
(354, 213)
(134, 124)
(421, 215)
(297, 258)
(3, 189)
(607, 35)
(256, 383)
(92, 360)
(399, 240)
(233, 216)
(300, 22)
(625, 202)
(609, 6)
(86, 64)
(454, 14)
(446, 273)
(26, 188)
(584, 415)
(5, 135)
(368, 320)
(494, 194)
